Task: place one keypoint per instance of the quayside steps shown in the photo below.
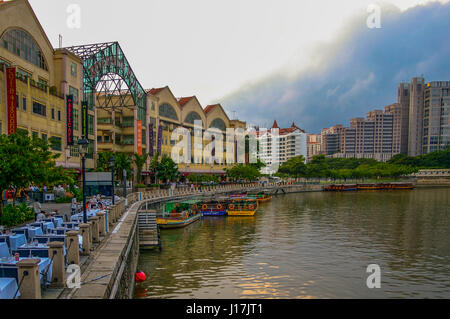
(149, 233)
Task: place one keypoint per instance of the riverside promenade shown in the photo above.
(108, 271)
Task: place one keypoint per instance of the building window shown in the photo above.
(75, 119)
(168, 111)
(22, 130)
(73, 91)
(59, 115)
(23, 45)
(34, 134)
(17, 101)
(55, 143)
(44, 137)
(39, 108)
(128, 121)
(128, 140)
(91, 125)
(192, 117)
(73, 69)
(53, 114)
(74, 150)
(24, 103)
(218, 123)
(90, 151)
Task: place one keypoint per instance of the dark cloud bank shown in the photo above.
(358, 73)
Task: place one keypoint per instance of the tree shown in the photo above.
(167, 170)
(25, 161)
(122, 161)
(139, 161)
(103, 161)
(295, 166)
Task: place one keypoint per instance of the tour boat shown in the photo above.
(261, 197)
(368, 187)
(339, 188)
(402, 185)
(214, 207)
(181, 214)
(242, 207)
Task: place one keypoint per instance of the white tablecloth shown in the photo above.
(8, 287)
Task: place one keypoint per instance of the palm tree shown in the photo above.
(122, 162)
(139, 161)
(154, 166)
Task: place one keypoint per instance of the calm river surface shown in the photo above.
(310, 245)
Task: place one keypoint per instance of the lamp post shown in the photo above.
(83, 146)
(111, 162)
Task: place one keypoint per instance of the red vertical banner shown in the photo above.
(11, 99)
(139, 137)
(70, 120)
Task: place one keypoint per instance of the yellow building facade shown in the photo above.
(44, 77)
(118, 132)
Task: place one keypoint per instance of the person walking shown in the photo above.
(36, 208)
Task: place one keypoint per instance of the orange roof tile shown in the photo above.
(209, 108)
(184, 100)
(155, 91)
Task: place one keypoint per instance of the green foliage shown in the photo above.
(139, 161)
(25, 161)
(438, 159)
(140, 186)
(246, 172)
(295, 166)
(344, 168)
(16, 215)
(103, 160)
(122, 161)
(167, 170)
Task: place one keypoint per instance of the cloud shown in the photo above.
(358, 72)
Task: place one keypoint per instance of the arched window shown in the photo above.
(218, 123)
(168, 111)
(193, 116)
(22, 44)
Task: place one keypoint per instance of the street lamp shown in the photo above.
(83, 146)
(111, 163)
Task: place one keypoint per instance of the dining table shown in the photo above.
(15, 240)
(45, 267)
(8, 288)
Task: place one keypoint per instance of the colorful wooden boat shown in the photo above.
(214, 207)
(243, 207)
(368, 187)
(261, 197)
(341, 188)
(181, 214)
(402, 186)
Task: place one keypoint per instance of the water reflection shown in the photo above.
(310, 245)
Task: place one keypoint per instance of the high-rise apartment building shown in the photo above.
(277, 148)
(313, 142)
(416, 88)
(435, 134)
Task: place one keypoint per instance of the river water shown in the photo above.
(310, 245)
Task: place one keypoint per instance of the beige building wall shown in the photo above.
(46, 86)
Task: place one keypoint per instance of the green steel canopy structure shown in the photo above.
(107, 72)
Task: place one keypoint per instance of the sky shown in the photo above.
(312, 62)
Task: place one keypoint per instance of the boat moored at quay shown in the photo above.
(215, 207)
(243, 207)
(365, 187)
(181, 214)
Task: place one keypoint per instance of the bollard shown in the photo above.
(56, 251)
(73, 250)
(86, 247)
(94, 228)
(30, 288)
(101, 224)
(90, 232)
(112, 218)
